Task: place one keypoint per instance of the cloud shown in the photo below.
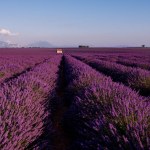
(6, 32)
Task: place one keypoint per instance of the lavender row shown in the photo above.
(143, 64)
(23, 103)
(136, 78)
(104, 114)
(10, 65)
(139, 64)
(126, 56)
(113, 57)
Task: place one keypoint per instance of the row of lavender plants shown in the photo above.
(136, 78)
(141, 63)
(131, 63)
(144, 58)
(127, 59)
(104, 114)
(10, 65)
(23, 103)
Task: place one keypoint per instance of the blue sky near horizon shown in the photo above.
(70, 22)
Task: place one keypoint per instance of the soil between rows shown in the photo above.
(61, 139)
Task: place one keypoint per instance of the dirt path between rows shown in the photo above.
(61, 140)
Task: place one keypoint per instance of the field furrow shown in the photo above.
(61, 138)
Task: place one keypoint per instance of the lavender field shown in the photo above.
(83, 99)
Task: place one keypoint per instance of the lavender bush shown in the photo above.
(12, 65)
(136, 78)
(22, 105)
(104, 114)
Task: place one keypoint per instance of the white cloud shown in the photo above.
(6, 32)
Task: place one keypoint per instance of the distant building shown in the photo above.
(59, 51)
(143, 46)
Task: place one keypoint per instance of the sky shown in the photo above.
(76, 22)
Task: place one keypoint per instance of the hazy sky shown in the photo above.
(74, 22)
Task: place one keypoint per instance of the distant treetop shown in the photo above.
(83, 46)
